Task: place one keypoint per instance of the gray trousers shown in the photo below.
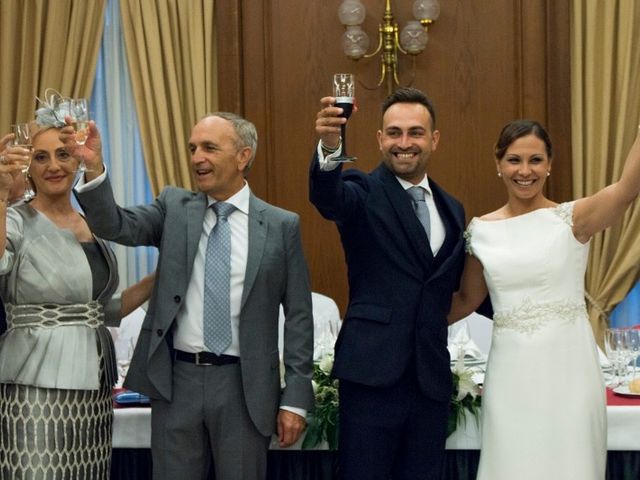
(207, 420)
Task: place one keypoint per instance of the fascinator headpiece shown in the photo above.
(52, 109)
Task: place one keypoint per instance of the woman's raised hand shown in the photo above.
(12, 159)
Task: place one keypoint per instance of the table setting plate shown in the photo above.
(623, 391)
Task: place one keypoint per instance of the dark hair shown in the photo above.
(521, 128)
(410, 95)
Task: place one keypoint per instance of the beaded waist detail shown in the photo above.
(529, 317)
(51, 315)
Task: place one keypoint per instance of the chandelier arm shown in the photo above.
(383, 74)
(395, 75)
(397, 42)
(373, 54)
(364, 85)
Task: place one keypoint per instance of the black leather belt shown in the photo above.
(206, 358)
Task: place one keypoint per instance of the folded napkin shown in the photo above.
(323, 344)
(129, 398)
(471, 350)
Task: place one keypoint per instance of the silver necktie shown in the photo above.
(420, 207)
(217, 275)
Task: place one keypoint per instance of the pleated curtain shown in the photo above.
(605, 71)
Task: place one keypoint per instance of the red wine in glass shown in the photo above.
(344, 91)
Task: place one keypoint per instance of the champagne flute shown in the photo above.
(22, 138)
(80, 119)
(80, 122)
(344, 90)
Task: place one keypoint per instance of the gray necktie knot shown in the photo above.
(223, 209)
(417, 194)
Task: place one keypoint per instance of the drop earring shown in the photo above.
(499, 174)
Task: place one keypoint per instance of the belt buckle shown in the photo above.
(202, 364)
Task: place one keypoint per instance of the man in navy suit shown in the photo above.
(391, 355)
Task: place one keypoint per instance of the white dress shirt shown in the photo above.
(188, 334)
(437, 226)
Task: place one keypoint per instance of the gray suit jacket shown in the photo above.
(276, 274)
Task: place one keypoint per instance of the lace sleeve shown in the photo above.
(467, 238)
(565, 212)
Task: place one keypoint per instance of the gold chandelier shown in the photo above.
(412, 40)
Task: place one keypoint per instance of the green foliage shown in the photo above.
(466, 396)
(322, 422)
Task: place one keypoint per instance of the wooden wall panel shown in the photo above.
(487, 62)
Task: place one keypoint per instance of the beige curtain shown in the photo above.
(605, 115)
(46, 44)
(171, 55)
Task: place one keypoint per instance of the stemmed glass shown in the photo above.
(633, 345)
(124, 352)
(459, 336)
(615, 348)
(22, 138)
(344, 90)
(80, 122)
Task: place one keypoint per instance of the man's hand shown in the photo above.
(328, 122)
(90, 152)
(290, 427)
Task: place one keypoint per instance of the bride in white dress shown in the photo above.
(543, 407)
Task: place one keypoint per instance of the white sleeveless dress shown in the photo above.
(543, 406)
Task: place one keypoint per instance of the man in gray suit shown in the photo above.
(205, 405)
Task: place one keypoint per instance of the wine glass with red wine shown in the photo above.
(344, 89)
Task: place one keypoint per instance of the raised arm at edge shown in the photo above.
(604, 208)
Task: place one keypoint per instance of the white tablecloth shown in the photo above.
(132, 429)
(623, 426)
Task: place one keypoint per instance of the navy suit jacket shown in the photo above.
(399, 293)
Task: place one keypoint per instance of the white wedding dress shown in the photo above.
(543, 406)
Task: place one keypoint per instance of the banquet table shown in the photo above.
(132, 460)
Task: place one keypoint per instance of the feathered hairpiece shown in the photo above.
(52, 109)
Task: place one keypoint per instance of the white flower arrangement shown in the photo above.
(322, 422)
(466, 396)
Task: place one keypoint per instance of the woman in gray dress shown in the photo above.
(57, 364)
